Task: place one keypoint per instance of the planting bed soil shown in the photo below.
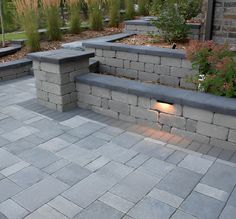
(149, 40)
(67, 38)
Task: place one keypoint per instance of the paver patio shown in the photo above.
(83, 165)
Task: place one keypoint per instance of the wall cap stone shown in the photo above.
(15, 64)
(162, 93)
(146, 50)
(60, 56)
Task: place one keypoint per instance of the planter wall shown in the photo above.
(147, 64)
(201, 117)
(145, 26)
(15, 69)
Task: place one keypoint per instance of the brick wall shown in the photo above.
(193, 123)
(224, 24)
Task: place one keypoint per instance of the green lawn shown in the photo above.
(14, 36)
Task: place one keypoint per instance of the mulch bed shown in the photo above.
(67, 38)
(149, 40)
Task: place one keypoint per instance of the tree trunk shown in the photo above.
(2, 25)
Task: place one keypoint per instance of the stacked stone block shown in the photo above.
(196, 124)
(172, 71)
(145, 26)
(55, 74)
(15, 69)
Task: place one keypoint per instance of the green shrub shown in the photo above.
(95, 14)
(75, 21)
(27, 13)
(215, 66)
(51, 9)
(172, 25)
(114, 12)
(129, 9)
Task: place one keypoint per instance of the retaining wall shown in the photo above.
(15, 69)
(145, 26)
(146, 64)
(201, 117)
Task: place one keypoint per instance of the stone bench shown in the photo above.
(54, 76)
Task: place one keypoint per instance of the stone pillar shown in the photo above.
(55, 73)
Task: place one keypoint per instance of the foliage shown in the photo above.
(95, 14)
(51, 10)
(27, 13)
(75, 21)
(187, 8)
(129, 9)
(114, 12)
(172, 25)
(143, 8)
(216, 68)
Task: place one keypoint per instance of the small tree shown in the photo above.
(2, 24)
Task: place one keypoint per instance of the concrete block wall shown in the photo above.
(146, 26)
(15, 69)
(224, 22)
(55, 73)
(173, 71)
(196, 124)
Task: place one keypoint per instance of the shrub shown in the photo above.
(129, 9)
(114, 12)
(51, 9)
(143, 7)
(95, 14)
(216, 68)
(75, 21)
(172, 24)
(27, 13)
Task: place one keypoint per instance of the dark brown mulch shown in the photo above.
(67, 38)
(149, 40)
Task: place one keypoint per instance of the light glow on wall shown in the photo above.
(163, 107)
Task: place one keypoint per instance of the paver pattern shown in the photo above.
(87, 166)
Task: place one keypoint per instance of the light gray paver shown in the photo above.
(116, 202)
(98, 163)
(196, 164)
(232, 199)
(166, 197)
(221, 176)
(99, 210)
(74, 122)
(65, 206)
(14, 168)
(7, 159)
(180, 182)
(71, 174)
(27, 176)
(39, 157)
(52, 168)
(150, 208)
(40, 193)
(135, 186)
(182, 215)
(55, 144)
(91, 142)
(137, 160)
(8, 189)
(202, 206)
(229, 212)
(12, 210)
(46, 212)
(176, 157)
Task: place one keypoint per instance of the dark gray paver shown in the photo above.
(232, 199)
(229, 212)
(150, 208)
(221, 176)
(179, 182)
(202, 206)
(99, 210)
(71, 174)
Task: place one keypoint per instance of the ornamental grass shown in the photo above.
(75, 21)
